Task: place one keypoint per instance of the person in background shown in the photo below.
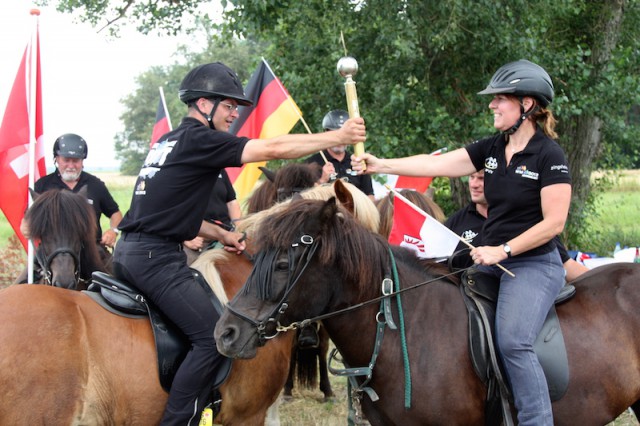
(423, 201)
(468, 222)
(223, 210)
(69, 153)
(169, 201)
(528, 188)
(338, 164)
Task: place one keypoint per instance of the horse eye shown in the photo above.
(282, 265)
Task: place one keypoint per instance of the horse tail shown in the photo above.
(307, 367)
(636, 409)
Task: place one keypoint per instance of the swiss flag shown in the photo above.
(415, 229)
(16, 138)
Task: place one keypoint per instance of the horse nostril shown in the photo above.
(225, 337)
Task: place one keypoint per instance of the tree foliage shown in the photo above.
(132, 144)
(422, 63)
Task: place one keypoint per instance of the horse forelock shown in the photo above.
(63, 219)
(356, 256)
(62, 215)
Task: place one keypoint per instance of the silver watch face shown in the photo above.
(506, 248)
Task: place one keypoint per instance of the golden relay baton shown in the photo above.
(348, 67)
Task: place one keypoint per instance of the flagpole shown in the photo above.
(32, 77)
(164, 105)
(293, 105)
(425, 214)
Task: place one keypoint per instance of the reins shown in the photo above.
(305, 322)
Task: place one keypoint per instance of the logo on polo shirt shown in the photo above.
(562, 167)
(522, 170)
(490, 164)
(469, 235)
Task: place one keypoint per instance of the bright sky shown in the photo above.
(84, 74)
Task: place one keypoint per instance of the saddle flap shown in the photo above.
(118, 294)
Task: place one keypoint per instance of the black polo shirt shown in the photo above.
(223, 193)
(97, 193)
(174, 185)
(513, 190)
(467, 223)
(343, 170)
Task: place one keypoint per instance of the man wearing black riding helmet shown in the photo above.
(167, 207)
(528, 189)
(338, 163)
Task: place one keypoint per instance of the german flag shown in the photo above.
(273, 113)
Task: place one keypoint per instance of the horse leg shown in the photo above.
(323, 349)
(273, 414)
(288, 387)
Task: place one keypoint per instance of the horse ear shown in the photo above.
(34, 194)
(271, 175)
(328, 211)
(344, 196)
(84, 192)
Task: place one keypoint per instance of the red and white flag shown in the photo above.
(419, 184)
(163, 123)
(417, 230)
(21, 138)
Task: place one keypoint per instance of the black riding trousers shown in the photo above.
(159, 269)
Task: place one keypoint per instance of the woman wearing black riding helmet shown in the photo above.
(168, 206)
(528, 188)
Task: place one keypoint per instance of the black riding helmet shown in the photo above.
(215, 81)
(334, 119)
(522, 78)
(70, 145)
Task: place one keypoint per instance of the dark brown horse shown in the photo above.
(321, 261)
(63, 226)
(59, 350)
(307, 362)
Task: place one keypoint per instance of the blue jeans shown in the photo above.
(523, 304)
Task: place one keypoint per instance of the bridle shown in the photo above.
(44, 261)
(309, 245)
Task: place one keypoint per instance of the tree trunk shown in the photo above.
(581, 135)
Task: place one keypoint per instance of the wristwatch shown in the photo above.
(116, 230)
(507, 249)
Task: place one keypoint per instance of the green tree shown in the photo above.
(132, 144)
(422, 61)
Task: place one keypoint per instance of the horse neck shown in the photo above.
(354, 333)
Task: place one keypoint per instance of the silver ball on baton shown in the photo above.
(347, 66)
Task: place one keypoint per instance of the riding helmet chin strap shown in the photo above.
(523, 116)
(209, 117)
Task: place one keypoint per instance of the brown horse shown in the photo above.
(321, 261)
(63, 225)
(307, 363)
(80, 364)
(247, 391)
